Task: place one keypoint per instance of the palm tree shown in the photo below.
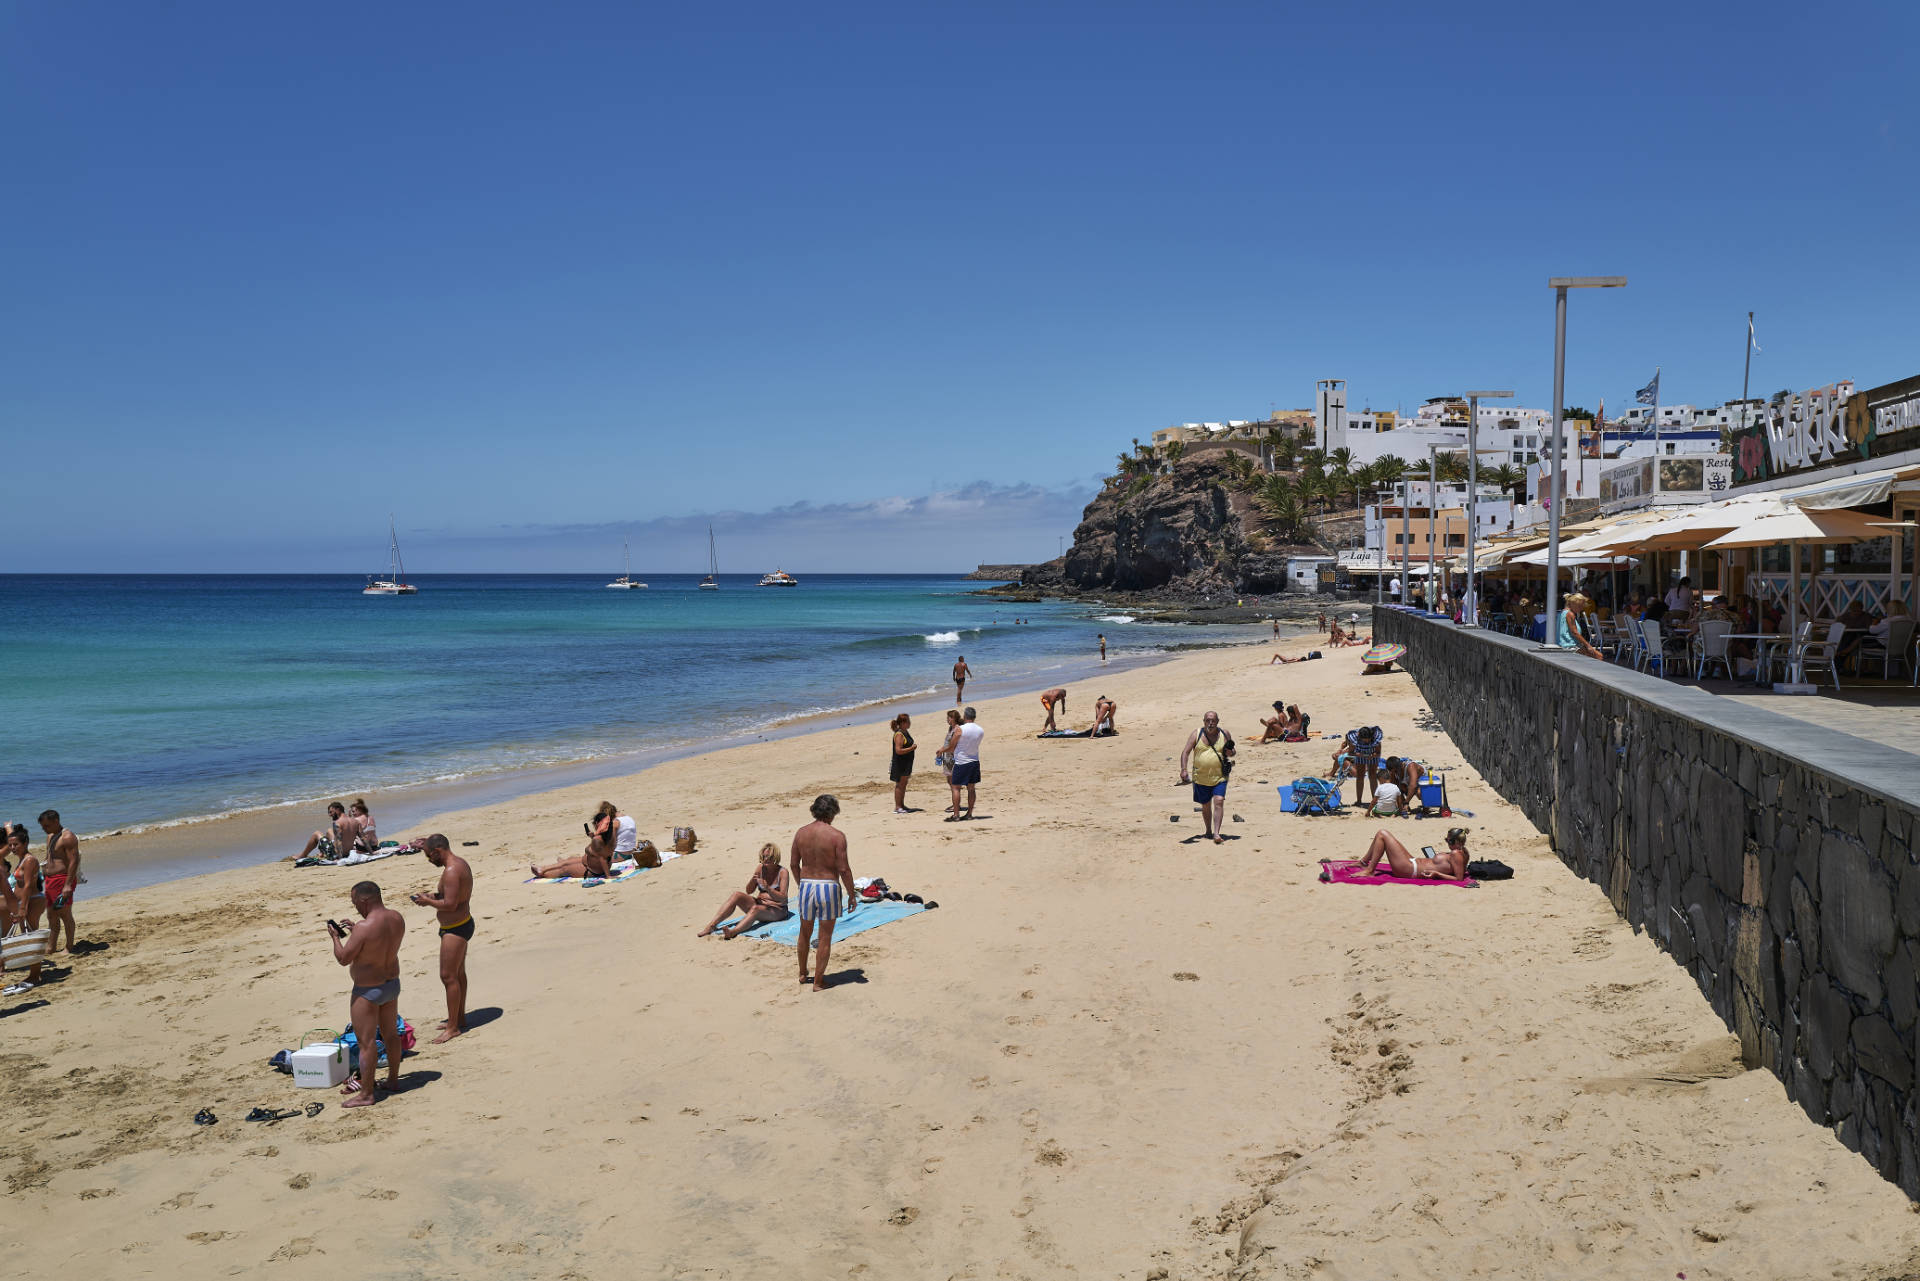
(1506, 476)
(1174, 449)
(1451, 467)
(1391, 469)
(1279, 502)
(1286, 449)
(1313, 488)
(1340, 469)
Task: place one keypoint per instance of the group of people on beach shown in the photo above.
(350, 830)
(958, 758)
(817, 883)
(40, 886)
(370, 949)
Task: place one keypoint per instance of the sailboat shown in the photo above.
(395, 583)
(626, 580)
(711, 583)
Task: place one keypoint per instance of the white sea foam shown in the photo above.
(1116, 618)
(942, 638)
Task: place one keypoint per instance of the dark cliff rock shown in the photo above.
(1188, 534)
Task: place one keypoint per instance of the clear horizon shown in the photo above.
(869, 291)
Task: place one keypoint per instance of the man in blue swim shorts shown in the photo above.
(1210, 749)
(819, 862)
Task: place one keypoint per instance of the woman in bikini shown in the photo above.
(1274, 727)
(30, 896)
(900, 768)
(597, 858)
(764, 899)
(1450, 866)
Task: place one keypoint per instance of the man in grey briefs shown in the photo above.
(371, 950)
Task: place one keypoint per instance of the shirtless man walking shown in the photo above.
(960, 673)
(62, 877)
(819, 863)
(1054, 700)
(371, 951)
(452, 902)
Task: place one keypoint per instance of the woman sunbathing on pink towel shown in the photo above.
(1451, 866)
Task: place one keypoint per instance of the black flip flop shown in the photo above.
(930, 905)
(469, 843)
(913, 898)
(893, 896)
(204, 1116)
(315, 1109)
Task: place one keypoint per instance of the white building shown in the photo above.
(1389, 531)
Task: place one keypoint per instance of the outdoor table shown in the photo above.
(1762, 641)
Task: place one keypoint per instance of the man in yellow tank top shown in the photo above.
(1210, 750)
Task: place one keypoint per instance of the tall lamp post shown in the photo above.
(1470, 613)
(1560, 285)
(1406, 542)
(1433, 483)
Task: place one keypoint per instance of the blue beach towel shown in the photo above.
(589, 882)
(871, 916)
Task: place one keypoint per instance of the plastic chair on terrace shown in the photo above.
(1890, 651)
(1779, 654)
(1824, 655)
(1631, 643)
(1652, 647)
(1710, 647)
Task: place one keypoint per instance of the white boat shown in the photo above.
(395, 583)
(711, 583)
(779, 578)
(626, 581)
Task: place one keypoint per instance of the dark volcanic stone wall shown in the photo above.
(1772, 858)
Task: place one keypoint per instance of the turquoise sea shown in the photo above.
(146, 700)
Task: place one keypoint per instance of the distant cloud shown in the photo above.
(944, 530)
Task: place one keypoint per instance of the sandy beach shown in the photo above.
(1114, 1050)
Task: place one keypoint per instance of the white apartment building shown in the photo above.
(1447, 501)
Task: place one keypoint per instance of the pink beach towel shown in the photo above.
(1345, 871)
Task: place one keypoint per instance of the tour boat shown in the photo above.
(626, 581)
(395, 583)
(779, 578)
(711, 583)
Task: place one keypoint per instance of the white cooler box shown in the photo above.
(320, 1066)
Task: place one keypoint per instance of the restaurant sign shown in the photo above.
(1640, 481)
(1809, 431)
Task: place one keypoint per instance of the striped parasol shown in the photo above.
(1384, 654)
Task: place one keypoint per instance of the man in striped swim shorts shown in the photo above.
(819, 862)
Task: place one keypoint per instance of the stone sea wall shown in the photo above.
(1770, 857)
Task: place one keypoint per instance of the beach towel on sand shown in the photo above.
(1345, 871)
(871, 916)
(624, 870)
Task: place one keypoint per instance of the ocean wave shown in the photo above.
(942, 638)
(1115, 618)
(810, 712)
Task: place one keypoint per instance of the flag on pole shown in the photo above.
(1751, 341)
(1649, 394)
(1600, 417)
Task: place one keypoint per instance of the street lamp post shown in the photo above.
(1433, 481)
(1470, 613)
(1560, 285)
(1406, 541)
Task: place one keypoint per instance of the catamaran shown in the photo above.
(626, 581)
(779, 578)
(711, 583)
(395, 583)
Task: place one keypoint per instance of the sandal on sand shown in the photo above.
(930, 905)
(16, 989)
(913, 898)
(315, 1109)
(204, 1116)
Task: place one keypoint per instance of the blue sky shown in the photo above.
(530, 275)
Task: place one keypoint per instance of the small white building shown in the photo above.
(1303, 572)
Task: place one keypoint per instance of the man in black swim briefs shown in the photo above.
(452, 902)
(960, 673)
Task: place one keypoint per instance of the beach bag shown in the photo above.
(23, 949)
(351, 1042)
(1491, 869)
(645, 855)
(684, 840)
(1315, 796)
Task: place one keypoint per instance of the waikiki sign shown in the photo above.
(1807, 431)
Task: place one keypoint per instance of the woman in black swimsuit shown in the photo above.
(902, 767)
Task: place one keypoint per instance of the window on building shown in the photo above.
(1456, 540)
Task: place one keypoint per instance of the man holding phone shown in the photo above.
(452, 901)
(371, 951)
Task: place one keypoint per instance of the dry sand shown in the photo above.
(1109, 1053)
